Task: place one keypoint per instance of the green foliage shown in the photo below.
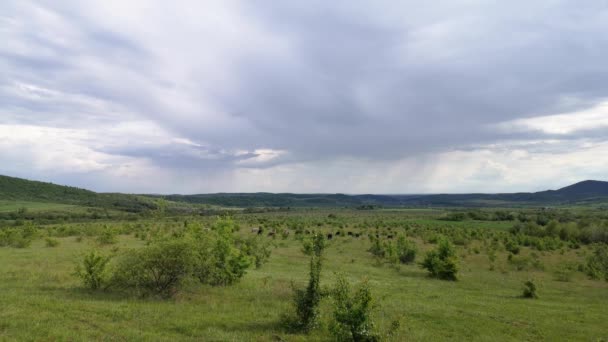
(529, 290)
(442, 262)
(50, 242)
(597, 263)
(108, 236)
(306, 300)
(257, 249)
(92, 271)
(158, 269)
(406, 250)
(352, 313)
(218, 260)
(21, 237)
(377, 248)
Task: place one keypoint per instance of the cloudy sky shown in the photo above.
(304, 96)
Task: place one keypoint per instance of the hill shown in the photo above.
(18, 189)
(13, 189)
(580, 193)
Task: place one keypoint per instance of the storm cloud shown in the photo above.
(315, 96)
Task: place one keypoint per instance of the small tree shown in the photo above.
(529, 290)
(352, 312)
(406, 250)
(218, 261)
(597, 263)
(307, 300)
(442, 262)
(92, 270)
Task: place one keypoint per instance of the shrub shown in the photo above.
(107, 236)
(50, 242)
(377, 248)
(257, 250)
(306, 300)
(512, 246)
(529, 290)
(597, 263)
(442, 262)
(406, 250)
(352, 312)
(92, 271)
(159, 268)
(218, 261)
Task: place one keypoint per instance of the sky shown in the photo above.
(379, 96)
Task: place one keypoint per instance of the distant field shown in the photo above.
(42, 300)
(33, 206)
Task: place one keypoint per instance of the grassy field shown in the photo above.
(40, 299)
(7, 206)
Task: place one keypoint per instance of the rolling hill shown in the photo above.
(18, 189)
(586, 192)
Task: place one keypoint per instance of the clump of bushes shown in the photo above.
(21, 237)
(210, 256)
(442, 263)
(352, 312)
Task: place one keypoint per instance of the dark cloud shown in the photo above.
(317, 81)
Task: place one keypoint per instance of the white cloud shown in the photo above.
(592, 118)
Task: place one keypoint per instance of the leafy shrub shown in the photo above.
(255, 248)
(352, 312)
(306, 300)
(597, 263)
(529, 290)
(377, 248)
(50, 242)
(442, 262)
(107, 236)
(16, 237)
(92, 271)
(512, 247)
(218, 261)
(159, 268)
(406, 250)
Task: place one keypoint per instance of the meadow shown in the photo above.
(41, 298)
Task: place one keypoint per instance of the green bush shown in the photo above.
(529, 290)
(306, 300)
(256, 249)
(218, 261)
(597, 263)
(17, 237)
(352, 313)
(93, 270)
(50, 242)
(107, 236)
(157, 269)
(442, 262)
(406, 250)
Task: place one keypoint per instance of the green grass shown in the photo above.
(41, 300)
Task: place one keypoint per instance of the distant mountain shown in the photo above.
(588, 188)
(19, 189)
(585, 192)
